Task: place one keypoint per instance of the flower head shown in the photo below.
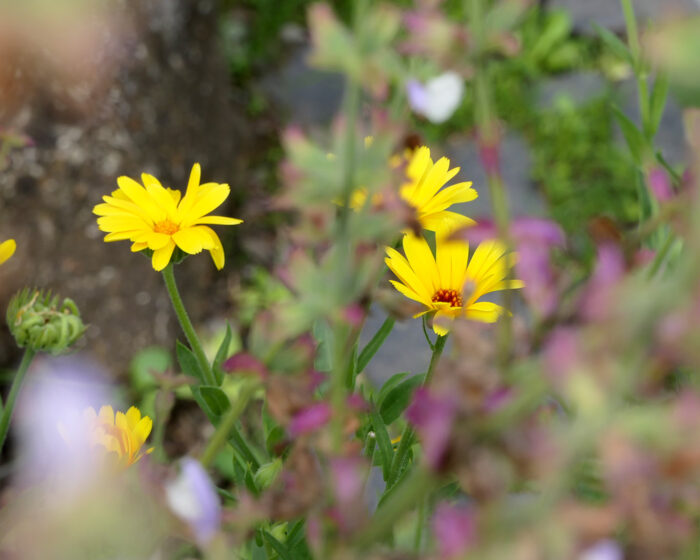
(123, 434)
(438, 99)
(7, 249)
(160, 219)
(424, 191)
(450, 284)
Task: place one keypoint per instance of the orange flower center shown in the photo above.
(166, 226)
(448, 296)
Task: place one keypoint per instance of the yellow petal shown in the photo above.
(421, 259)
(7, 249)
(138, 195)
(193, 239)
(455, 194)
(451, 258)
(484, 311)
(205, 203)
(217, 251)
(133, 416)
(398, 264)
(444, 223)
(161, 257)
(409, 293)
(219, 221)
(106, 415)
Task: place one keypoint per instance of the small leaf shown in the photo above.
(188, 362)
(390, 383)
(399, 398)
(375, 344)
(386, 450)
(215, 399)
(657, 103)
(324, 356)
(221, 354)
(614, 43)
(634, 138)
(280, 549)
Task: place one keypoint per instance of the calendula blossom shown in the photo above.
(160, 219)
(120, 433)
(424, 191)
(450, 284)
(7, 249)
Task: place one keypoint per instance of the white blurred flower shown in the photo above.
(438, 99)
(602, 550)
(192, 497)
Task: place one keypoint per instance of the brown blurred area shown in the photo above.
(104, 89)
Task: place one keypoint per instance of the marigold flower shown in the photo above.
(424, 191)
(160, 219)
(7, 249)
(450, 284)
(123, 434)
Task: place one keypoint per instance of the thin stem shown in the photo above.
(29, 354)
(227, 424)
(186, 324)
(661, 255)
(407, 436)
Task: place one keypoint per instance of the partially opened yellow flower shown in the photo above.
(424, 191)
(123, 434)
(157, 218)
(450, 284)
(7, 249)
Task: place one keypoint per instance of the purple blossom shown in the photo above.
(609, 270)
(349, 476)
(193, 498)
(432, 417)
(454, 527)
(659, 185)
(602, 550)
(245, 362)
(310, 419)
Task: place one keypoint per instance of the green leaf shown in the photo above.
(188, 362)
(399, 398)
(386, 451)
(614, 43)
(351, 369)
(375, 344)
(657, 102)
(280, 549)
(556, 30)
(144, 363)
(634, 138)
(250, 482)
(390, 383)
(221, 354)
(215, 399)
(324, 357)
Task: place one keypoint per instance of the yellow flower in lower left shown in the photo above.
(7, 249)
(121, 433)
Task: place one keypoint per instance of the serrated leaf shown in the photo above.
(375, 343)
(657, 102)
(614, 43)
(216, 400)
(221, 354)
(634, 138)
(188, 362)
(386, 451)
(399, 398)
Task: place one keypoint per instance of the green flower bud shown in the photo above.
(37, 320)
(267, 473)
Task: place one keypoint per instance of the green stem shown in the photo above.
(29, 354)
(227, 424)
(661, 255)
(407, 436)
(186, 324)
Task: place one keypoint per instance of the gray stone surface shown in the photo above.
(307, 96)
(577, 87)
(608, 13)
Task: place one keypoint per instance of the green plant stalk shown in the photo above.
(9, 407)
(227, 424)
(186, 324)
(407, 436)
(640, 73)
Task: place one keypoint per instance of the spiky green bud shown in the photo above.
(40, 321)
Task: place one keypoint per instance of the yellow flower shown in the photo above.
(7, 249)
(123, 434)
(424, 191)
(156, 218)
(450, 284)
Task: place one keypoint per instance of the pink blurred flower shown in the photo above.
(310, 419)
(561, 352)
(659, 185)
(454, 528)
(193, 498)
(432, 416)
(349, 475)
(609, 270)
(246, 363)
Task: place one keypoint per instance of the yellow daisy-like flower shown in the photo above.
(450, 284)
(424, 191)
(123, 434)
(7, 249)
(154, 217)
